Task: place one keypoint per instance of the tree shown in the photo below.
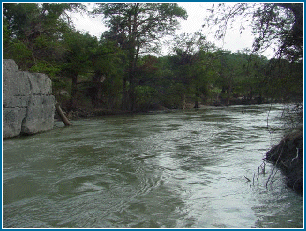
(228, 73)
(251, 82)
(108, 66)
(206, 71)
(274, 24)
(284, 80)
(135, 27)
(33, 31)
(193, 60)
(77, 59)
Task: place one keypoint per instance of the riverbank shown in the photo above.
(81, 113)
(88, 111)
(288, 157)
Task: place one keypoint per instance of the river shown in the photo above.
(184, 169)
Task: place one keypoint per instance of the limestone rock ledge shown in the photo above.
(28, 106)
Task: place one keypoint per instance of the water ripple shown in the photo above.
(184, 169)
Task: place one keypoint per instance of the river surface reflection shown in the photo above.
(184, 169)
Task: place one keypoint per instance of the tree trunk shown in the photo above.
(229, 95)
(184, 101)
(62, 115)
(133, 49)
(196, 104)
(74, 90)
(197, 95)
(96, 94)
(125, 96)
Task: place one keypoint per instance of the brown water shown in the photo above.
(185, 169)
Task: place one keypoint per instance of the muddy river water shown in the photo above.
(183, 169)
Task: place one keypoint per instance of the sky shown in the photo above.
(196, 11)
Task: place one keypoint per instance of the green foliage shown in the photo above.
(79, 49)
(33, 32)
(112, 91)
(77, 59)
(284, 80)
(108, 58)
(135, 27)
(147, 97)
(108, 66)
(195, 65)
(277, 25)
(21, 53)
(45, 67)
(114, 72)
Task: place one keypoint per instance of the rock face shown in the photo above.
(28, 106)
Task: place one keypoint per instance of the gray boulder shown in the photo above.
(28, 106)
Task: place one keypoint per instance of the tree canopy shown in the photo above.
(278, 25)
(136, 27)
(122, 69)
(32, 32)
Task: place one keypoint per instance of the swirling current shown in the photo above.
(183, 169)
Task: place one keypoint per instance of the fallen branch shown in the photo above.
(62, 115)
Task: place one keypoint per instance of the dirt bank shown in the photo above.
(288, 156)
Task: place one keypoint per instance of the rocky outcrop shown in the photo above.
(288, 156)
(28, 106)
